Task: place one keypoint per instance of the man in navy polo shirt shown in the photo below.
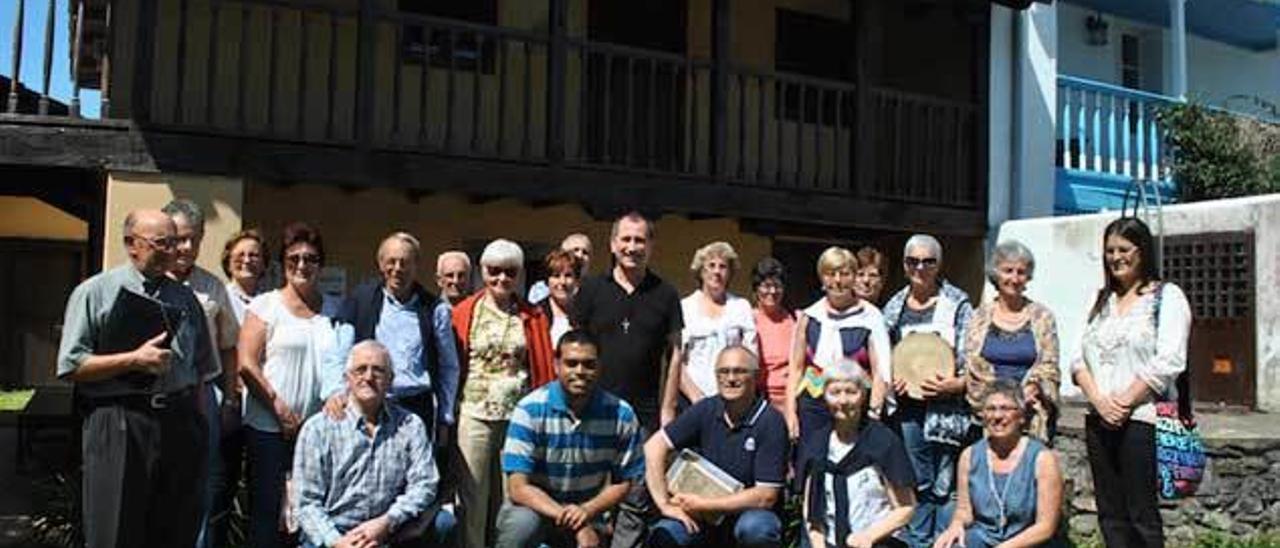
(743, 435)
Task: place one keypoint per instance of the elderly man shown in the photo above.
(572, 453)
(367, 478)
(145, 437)
(453, 276)
(577, 244)
(222, 396)
(397, 311)
(740, 433)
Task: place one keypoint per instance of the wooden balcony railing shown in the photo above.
(375, 79)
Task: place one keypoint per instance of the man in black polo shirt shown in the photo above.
(636, 316)
(739, 432)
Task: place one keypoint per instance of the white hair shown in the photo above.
(402, 237)
(502, 252)
(927, 242)
(454, 254)
(753, 363)
(1010, 250)
(370, 345)
(846, 370)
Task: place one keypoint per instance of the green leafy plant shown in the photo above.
(1220, 155)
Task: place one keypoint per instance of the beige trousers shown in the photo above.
(482, 487)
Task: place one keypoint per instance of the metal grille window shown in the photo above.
(1215, 271)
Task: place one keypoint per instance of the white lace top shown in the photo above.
(1118, 348)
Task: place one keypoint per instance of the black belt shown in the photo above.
(159, 401)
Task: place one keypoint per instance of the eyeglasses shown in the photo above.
(163, 242)
(999, 409)
(297, 259)
(734, 372)
(378, 371)
(770, 287)
(917, 262)
(494, 271)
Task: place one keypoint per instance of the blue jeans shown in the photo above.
(751, 529)
(935, 467)
(443, 532)
(270, 458)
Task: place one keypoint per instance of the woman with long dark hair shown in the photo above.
(1132, 350)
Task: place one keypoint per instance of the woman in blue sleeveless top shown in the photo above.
(1010, 487)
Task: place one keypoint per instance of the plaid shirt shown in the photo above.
(345, 476)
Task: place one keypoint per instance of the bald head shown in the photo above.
(580, 246)
(149, 240)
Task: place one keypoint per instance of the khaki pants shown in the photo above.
(482, 487)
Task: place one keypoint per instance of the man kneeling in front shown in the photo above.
(368, 479)
(739, 433)
(572, 453)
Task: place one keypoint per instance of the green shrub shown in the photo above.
(1220, 155)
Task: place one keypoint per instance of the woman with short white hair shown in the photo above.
(714, 319)
(860, 488)
(935, 426)
(504, 352)
(1014, 338)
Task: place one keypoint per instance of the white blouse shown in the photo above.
(703, 337)
(295, 350)
(1118, 348)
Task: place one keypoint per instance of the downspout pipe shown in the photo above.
(1017, 149)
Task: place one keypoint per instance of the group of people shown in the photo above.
(394, 416)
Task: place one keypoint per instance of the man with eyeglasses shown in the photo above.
(221, 395)
(742, 435)
(145, 437)
(367, 477)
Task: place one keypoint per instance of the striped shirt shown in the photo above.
(572, 457)
(344, 476)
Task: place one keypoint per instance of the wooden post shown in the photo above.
(863, 135)
(557, 52)
(144, 60)
(366, 43)
(720, 24)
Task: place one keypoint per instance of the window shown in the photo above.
(465, 51)
(816, 46)
(1130, 62)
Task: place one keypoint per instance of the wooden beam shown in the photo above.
(596, 189)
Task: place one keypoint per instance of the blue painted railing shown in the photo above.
(1111, 131)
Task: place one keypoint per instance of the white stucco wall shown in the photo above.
(1069, 272)
(1215, 71)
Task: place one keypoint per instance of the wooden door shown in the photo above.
(36, 278)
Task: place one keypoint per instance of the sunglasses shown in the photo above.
(302, 258)
(510, 271)
(916, 262)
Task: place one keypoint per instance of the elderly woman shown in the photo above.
(1132, 351)
(936, 427)
(1014, 338)
(1010, 486)
(775, 328)
(860, 489)
(714, 319)
(244, 261)
(286, 334)
(564, 275)
(505, 351)
(868, 281)
(837, 328)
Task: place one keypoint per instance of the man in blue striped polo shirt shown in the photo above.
(572, 453)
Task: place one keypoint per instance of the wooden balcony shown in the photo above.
(449, 97)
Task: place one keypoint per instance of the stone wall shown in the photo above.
(1240, 495)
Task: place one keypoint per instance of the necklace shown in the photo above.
(1001, 496)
